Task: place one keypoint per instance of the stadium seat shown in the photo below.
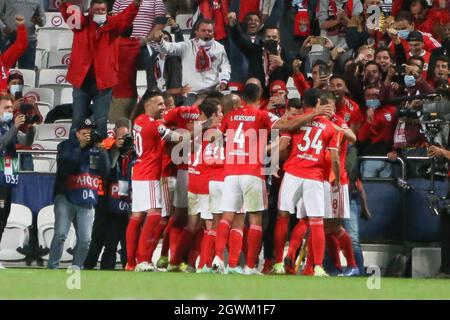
(52, 131)
(45, 145)
(64, 43)
(44, 108)
(43, 47)
(40, 95)
(54, 79)
(184, 21)
(29, 76)
(47, 165)
(141, 91)
(58, 59)
(45, 227)
(66, 95)
(16, 234)
(54, 35)
(54, 20)
(141, 79)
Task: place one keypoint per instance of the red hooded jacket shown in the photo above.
(9, 58)
(97, 46)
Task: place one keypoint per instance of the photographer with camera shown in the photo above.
(26, 107)
(9, 160)
(113, 209)
(83, 167)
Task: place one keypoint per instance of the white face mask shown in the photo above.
(7, 116)
(15, 88)
(203, 43)
(99, 19)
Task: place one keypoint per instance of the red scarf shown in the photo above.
(202, 60)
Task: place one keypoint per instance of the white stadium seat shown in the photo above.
(52, 131)
(16, 233)
(44, 108)
(45, 228)
(184, 21)
(29, 76)
(43, 47)
(39, 95)
(58, 59)
(44, 145)
(66, 95)
(54, 20)
(141, 79)
(64, 43)
(54, 35)
(54, 79)
(47, 165)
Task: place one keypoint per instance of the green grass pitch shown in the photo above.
(21, 283)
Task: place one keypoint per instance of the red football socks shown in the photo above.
(346, 246)
(333, 249)
(143, 251)
(254, 241)
(296, 238)
(184, 243)
(132, 238)
(281, 228)
(195, 247)
(223, 231)
(207, 248)
(317, 240)
(159, 230)
(235, 247)
(174, 239)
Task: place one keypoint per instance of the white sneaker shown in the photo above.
(235, 270)
(2, 267)
(218, 265)
(251, 271)
(320, 272)
(144, 267)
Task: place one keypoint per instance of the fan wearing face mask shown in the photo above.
(9, 160)
(94, 65)
(204, 60)
(403, 26)
(376, 134)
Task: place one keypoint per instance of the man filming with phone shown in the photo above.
(9, 160)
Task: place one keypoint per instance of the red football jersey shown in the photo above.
(205, 164)
(350, 112)
(343, 144)
(309, 146)
(168, 167)
(148, 134)
(245, 141)
(182, 118)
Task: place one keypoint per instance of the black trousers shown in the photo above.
(108, 231)
(5, 207)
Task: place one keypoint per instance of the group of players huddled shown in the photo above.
(199, 182)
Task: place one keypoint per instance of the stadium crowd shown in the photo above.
(220, 158)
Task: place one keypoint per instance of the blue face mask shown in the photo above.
(7, 116)
(403, 34)
(373, 103)
(410, 81)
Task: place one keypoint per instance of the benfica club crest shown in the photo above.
(347, 117)
(388, 117)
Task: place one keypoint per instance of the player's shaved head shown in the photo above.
(230, 102)
(256, 82)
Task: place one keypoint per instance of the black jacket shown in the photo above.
(254, 53)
